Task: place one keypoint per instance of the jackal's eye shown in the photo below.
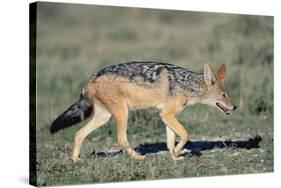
(223, 95)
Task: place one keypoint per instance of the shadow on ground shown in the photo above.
(193, 147)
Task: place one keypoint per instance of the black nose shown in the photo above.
(234, 107)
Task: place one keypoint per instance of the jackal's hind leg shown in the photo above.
(100, 117)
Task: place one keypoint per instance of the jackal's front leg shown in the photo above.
(173, 124)
(171, 139)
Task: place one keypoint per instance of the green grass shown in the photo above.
(76, 41)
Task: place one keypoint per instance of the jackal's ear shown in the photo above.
(209, 75)
(221, 72)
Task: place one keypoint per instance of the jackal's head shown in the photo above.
(215, 91)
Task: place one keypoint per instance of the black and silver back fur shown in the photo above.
(150, 71)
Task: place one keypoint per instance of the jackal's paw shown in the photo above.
(133, 154)
(138, 156)
(75, 159)
(177, 157)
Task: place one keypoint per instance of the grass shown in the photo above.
(75, 41)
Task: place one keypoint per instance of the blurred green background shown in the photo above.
(75, 41)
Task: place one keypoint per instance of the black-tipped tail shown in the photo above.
(76, 113)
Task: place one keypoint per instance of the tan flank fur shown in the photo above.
(114, 94)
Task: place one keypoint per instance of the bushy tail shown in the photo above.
(76, 113)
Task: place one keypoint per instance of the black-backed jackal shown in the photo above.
(116, 89)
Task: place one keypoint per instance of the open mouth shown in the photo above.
(223, 108)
